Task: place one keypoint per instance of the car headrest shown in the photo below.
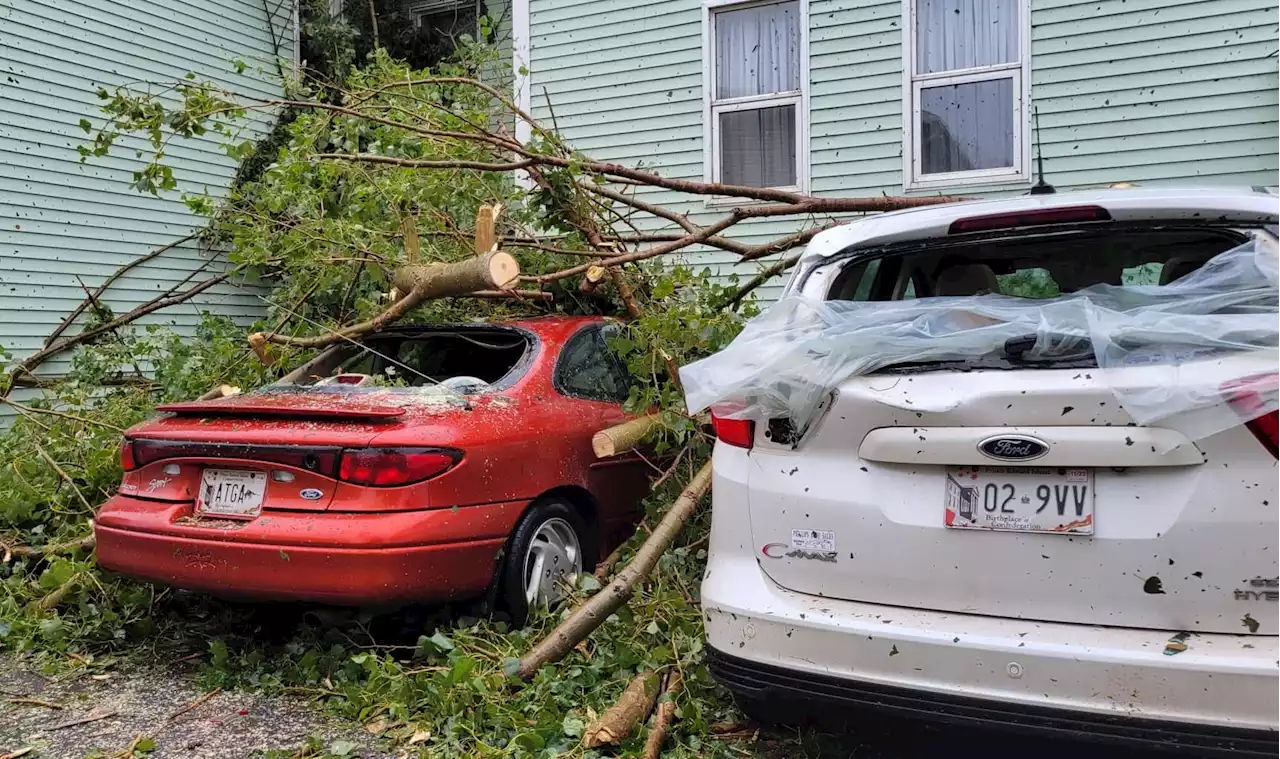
(966, 279)
(1178, 267)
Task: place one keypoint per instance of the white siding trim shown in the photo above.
(521, 75)
(801, 99)
(1022, 108)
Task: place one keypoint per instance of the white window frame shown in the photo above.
(418, 11)
(712, 108)
(1018, 71)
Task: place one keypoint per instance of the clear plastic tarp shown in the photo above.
(1166, 351)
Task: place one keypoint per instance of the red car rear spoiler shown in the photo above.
(278, 407)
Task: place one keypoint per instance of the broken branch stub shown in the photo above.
(629, 711)
(662, 720)
(622, 437)
(595, 610)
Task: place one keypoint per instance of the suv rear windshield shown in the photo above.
(1033, 265)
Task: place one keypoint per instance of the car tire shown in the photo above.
(548, 522)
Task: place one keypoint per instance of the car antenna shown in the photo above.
(1040, 187)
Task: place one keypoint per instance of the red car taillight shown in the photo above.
(1248, 397)
(740, 433)
(390, 467)
(127, 460)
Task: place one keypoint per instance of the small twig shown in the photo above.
(35, 702)
(18, 753)
(62, 473)
(91, 717)
(610, 562)
(133, 745)
(194, 704)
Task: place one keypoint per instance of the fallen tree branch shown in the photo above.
(627, 712)
(57, 548)
(662, 720)
(59, 594)
(493, 270)
(759, 279)
(109, 281)
(621, 438)
(36, 702)
(63, 474)
(25, 409)
(28, 365)
(595, 610)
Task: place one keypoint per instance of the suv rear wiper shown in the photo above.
(1064, 347)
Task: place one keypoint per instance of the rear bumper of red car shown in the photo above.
(346, 559)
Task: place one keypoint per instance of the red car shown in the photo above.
(426, 464)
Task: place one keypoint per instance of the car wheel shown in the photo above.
(547, 549)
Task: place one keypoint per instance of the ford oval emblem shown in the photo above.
(311, 494)
(1013, 448)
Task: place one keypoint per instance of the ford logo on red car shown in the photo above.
(1013, 448)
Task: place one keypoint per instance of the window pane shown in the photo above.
(758, 147)
(758, 50)
(961, 34)
(964, 127)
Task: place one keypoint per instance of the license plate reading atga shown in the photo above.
(1020, 499)
(231, 493)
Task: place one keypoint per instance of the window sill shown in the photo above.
(1001, 181)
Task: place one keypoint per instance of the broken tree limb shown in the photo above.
(486, 228)
(494, 270)
(628, 712)
(97, 293)
(622, 437)
(29, 364)
(592, 279)
(50, 550)
(59, 594)
(604, 568)
(662, 719)
(595, 610)
(219, 391)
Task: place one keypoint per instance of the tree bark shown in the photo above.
(622, 437)
(622, 718)
(595, 610)
(494, 270)
(662, 720)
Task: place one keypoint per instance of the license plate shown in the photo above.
(231, 493)
(1020, 499)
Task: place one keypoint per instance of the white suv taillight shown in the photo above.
(740, 433)
(1248, 397)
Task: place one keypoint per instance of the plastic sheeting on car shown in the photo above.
(1166, 351)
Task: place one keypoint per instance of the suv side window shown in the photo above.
(588, 369)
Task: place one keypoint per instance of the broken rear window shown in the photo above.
(1033, 266)
(466, 361)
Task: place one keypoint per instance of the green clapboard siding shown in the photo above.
(63, 222)
(1148, 91)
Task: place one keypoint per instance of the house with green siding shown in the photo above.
(861, 98)
(68, 224)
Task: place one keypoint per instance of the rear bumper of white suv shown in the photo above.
(770, 643)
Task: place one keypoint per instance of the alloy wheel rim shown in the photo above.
(554, 554)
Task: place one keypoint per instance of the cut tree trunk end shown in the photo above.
(595, 610)
(220, 391)
(623, 437)
(624, 716)
(494, 270)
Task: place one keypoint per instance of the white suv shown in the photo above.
(836, 577)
